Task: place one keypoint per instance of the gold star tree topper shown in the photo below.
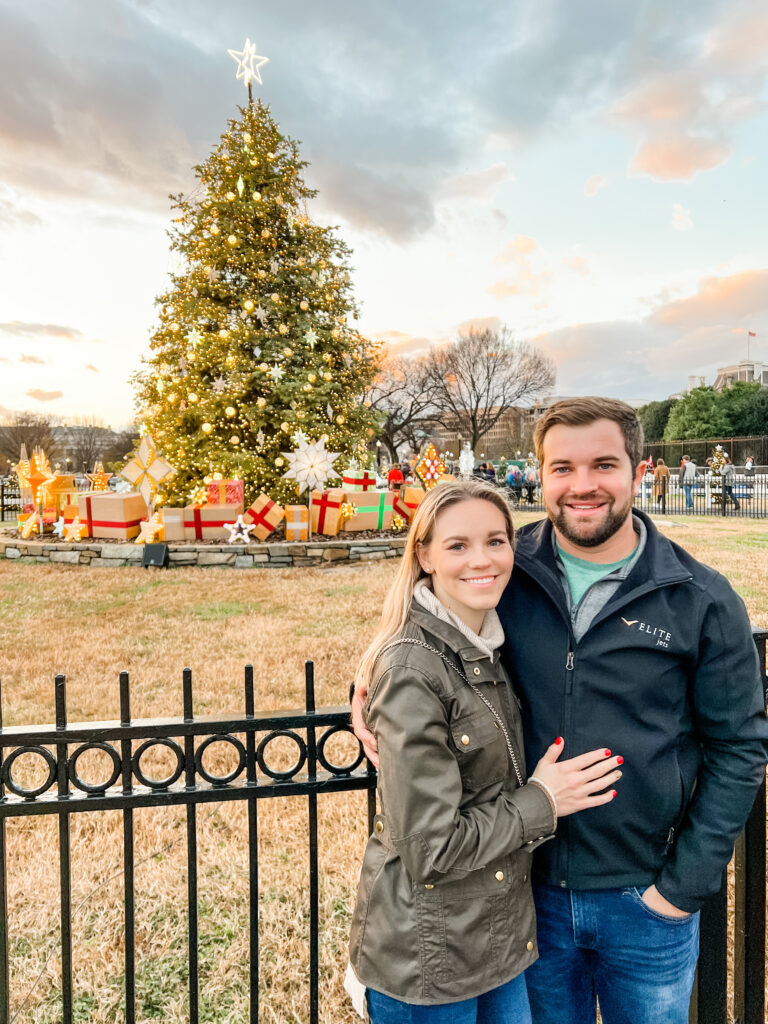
(246, 66)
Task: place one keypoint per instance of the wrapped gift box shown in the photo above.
(264, 514)
(107, 514)
(407, 501)
(447, 478)
(61, 491)
(358, 480)
(226, 492)
(207, 522)
(50, 515)
(296, 522)
(374, 510)
(173, 523)
(326, 507)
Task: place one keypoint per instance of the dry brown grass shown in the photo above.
(90, 625)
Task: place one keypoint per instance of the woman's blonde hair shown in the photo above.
(397, 603)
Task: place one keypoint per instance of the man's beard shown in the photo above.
(614, 520)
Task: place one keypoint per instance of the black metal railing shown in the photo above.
(745, 496)
(63, 792)
(10, 498)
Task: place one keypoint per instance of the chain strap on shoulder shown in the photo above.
(475, 689)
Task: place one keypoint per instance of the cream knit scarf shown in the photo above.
(491, 635)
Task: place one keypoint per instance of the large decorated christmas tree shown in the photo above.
(255, 349)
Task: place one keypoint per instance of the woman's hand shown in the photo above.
(579, 782)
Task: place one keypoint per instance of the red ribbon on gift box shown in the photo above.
(324, 502)
(260, 517)
(199, 523)
(362, 480)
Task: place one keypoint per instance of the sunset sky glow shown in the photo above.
(591, 174)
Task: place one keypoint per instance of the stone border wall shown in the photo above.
(315, 553)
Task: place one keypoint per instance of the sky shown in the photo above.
(590, 174)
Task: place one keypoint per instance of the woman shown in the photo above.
(660, 481)
(444, 924)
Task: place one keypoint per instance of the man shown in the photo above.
(621, 636)
(688, 479)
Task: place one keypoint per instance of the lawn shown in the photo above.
(90, 625)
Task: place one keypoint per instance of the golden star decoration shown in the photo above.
(98, 478)
(30, 525)
(38, 476)
(150, 530)
(146, 469)
(74, 530)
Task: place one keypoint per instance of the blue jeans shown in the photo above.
(608, 944)
(507, 1004)
(688, 488)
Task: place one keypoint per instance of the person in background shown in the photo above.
(515, 482)
(749, 466)
(395, 478)
(688, 479)
(531, 482)
(660, 481)
(728, 475)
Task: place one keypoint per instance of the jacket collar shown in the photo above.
(658, 566)
(449, 635)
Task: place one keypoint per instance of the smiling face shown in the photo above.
(588, 483)
(470, 559)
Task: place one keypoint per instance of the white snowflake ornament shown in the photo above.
(311, 465)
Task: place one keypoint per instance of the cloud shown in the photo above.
(90, 366)
(32, 330)
(36, 360)
(593, 185)
(652, 357)
(577, 264)
(481, 186)
(401, 344)
(44, 396)
(719, 300)
(12, 216)
(681, 218)
(678, 159)
(519, 246)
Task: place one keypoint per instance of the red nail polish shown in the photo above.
(558, 741)
(619, 760)
(607, 753)
(614, 794)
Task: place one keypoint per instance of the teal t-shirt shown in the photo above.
(582, 574)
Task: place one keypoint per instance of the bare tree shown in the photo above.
(85, 445)
(402, 396)
(476, 378)
(31, 429)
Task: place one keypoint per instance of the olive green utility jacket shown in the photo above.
(444, 909)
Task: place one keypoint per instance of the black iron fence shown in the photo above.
(64, 792)
(737, 447)
(10, 498)
(742, 495)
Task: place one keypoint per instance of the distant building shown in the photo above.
(747, 369)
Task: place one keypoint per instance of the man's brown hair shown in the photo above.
(580, 412)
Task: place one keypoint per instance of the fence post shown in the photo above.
(314, 893)
(4, 998)
(65, 872)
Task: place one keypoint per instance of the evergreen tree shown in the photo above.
(255, 341)
(654, 417)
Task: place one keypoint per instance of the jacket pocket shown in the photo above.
(481, 749)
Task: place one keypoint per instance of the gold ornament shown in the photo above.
(232, 240)
(265, 232)
(230, 197)
(274, 297)
(262, 273)
(246, 136)
(288, 351)
(223, 333)
(174, 327)
(307, 387)
(207, 428)
(282, 329)
(261, 402)
(327, 376)
(264, 367)
(279, 200)
(285, 427)
(311, 378)
(279, 463)
(304, 305)
(230, 411)
(398, 523)
(192, 397)
(270, 156)
(301, 261)
(248, 305)
(335, 333)
(340, 420)
(215, 229)
(255, 163)
(234, 439)
(347, 511)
